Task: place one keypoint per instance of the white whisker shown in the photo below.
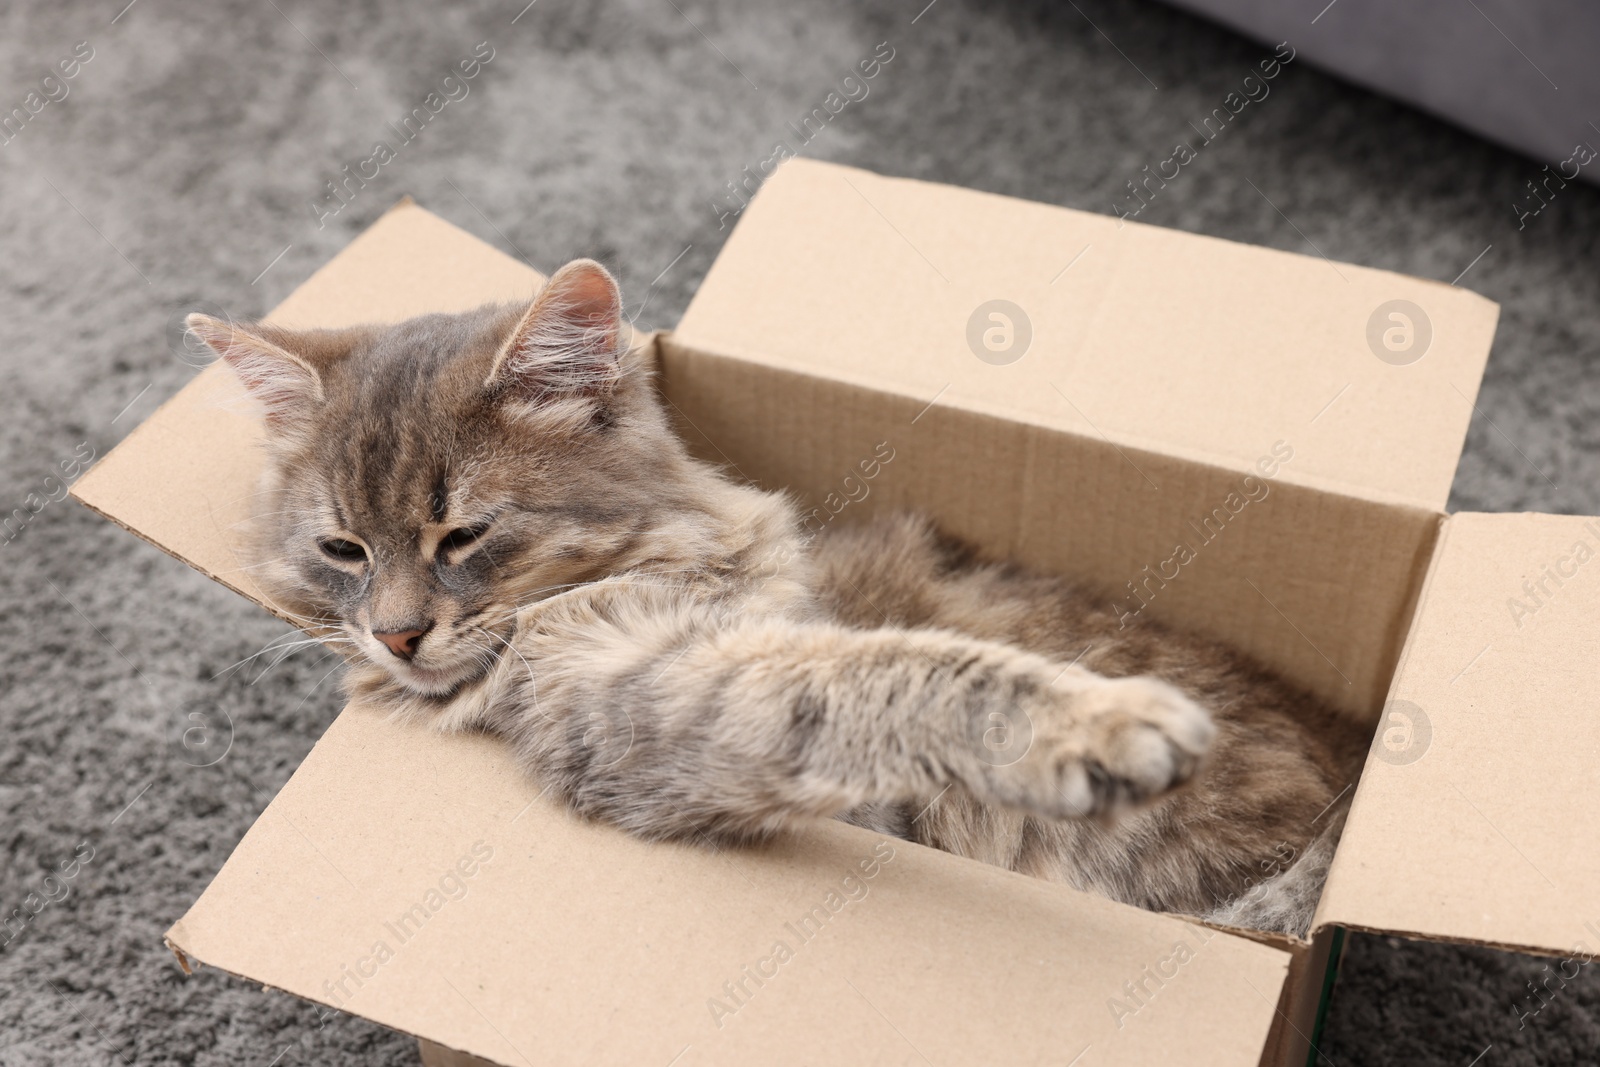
(532, 680)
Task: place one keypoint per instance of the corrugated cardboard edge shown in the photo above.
(264, 605)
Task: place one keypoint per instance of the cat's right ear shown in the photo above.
(566, 349)
(284, 383)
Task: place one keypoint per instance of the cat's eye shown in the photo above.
(342, 550)
(463, 536)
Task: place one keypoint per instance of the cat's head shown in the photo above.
(426, 480)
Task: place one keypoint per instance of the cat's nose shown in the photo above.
(402, 643)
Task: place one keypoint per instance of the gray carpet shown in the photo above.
(184, 161)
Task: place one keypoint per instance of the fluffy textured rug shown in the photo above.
(184, 163)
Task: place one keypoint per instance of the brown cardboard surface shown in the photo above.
(1318, 585)
(183, 479)
(1171, 341)
(1472, 832)
(577, 944)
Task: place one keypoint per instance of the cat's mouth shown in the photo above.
(442, 681)
(434, 682)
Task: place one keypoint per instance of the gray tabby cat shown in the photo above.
(493, 510)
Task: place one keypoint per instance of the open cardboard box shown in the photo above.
(422, 882)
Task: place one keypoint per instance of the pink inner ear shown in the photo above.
(566, 344)
(589, 294)
(583, 297)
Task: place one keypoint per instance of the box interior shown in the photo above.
(1316, 584)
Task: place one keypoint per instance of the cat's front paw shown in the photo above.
(1145, 737)
(1100, 746)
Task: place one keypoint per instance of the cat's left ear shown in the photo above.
(568, 345)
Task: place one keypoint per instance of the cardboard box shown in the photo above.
(422, 882)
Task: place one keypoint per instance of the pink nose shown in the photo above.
(402, 643)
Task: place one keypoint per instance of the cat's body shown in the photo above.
(493, 509)
(1278, 763)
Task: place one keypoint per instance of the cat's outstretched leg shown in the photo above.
(676, 729)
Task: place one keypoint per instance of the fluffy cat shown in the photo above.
(493, 510)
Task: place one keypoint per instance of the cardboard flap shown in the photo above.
(183, 479)
(1151, 337)
(1484, 764)
(420, 881)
